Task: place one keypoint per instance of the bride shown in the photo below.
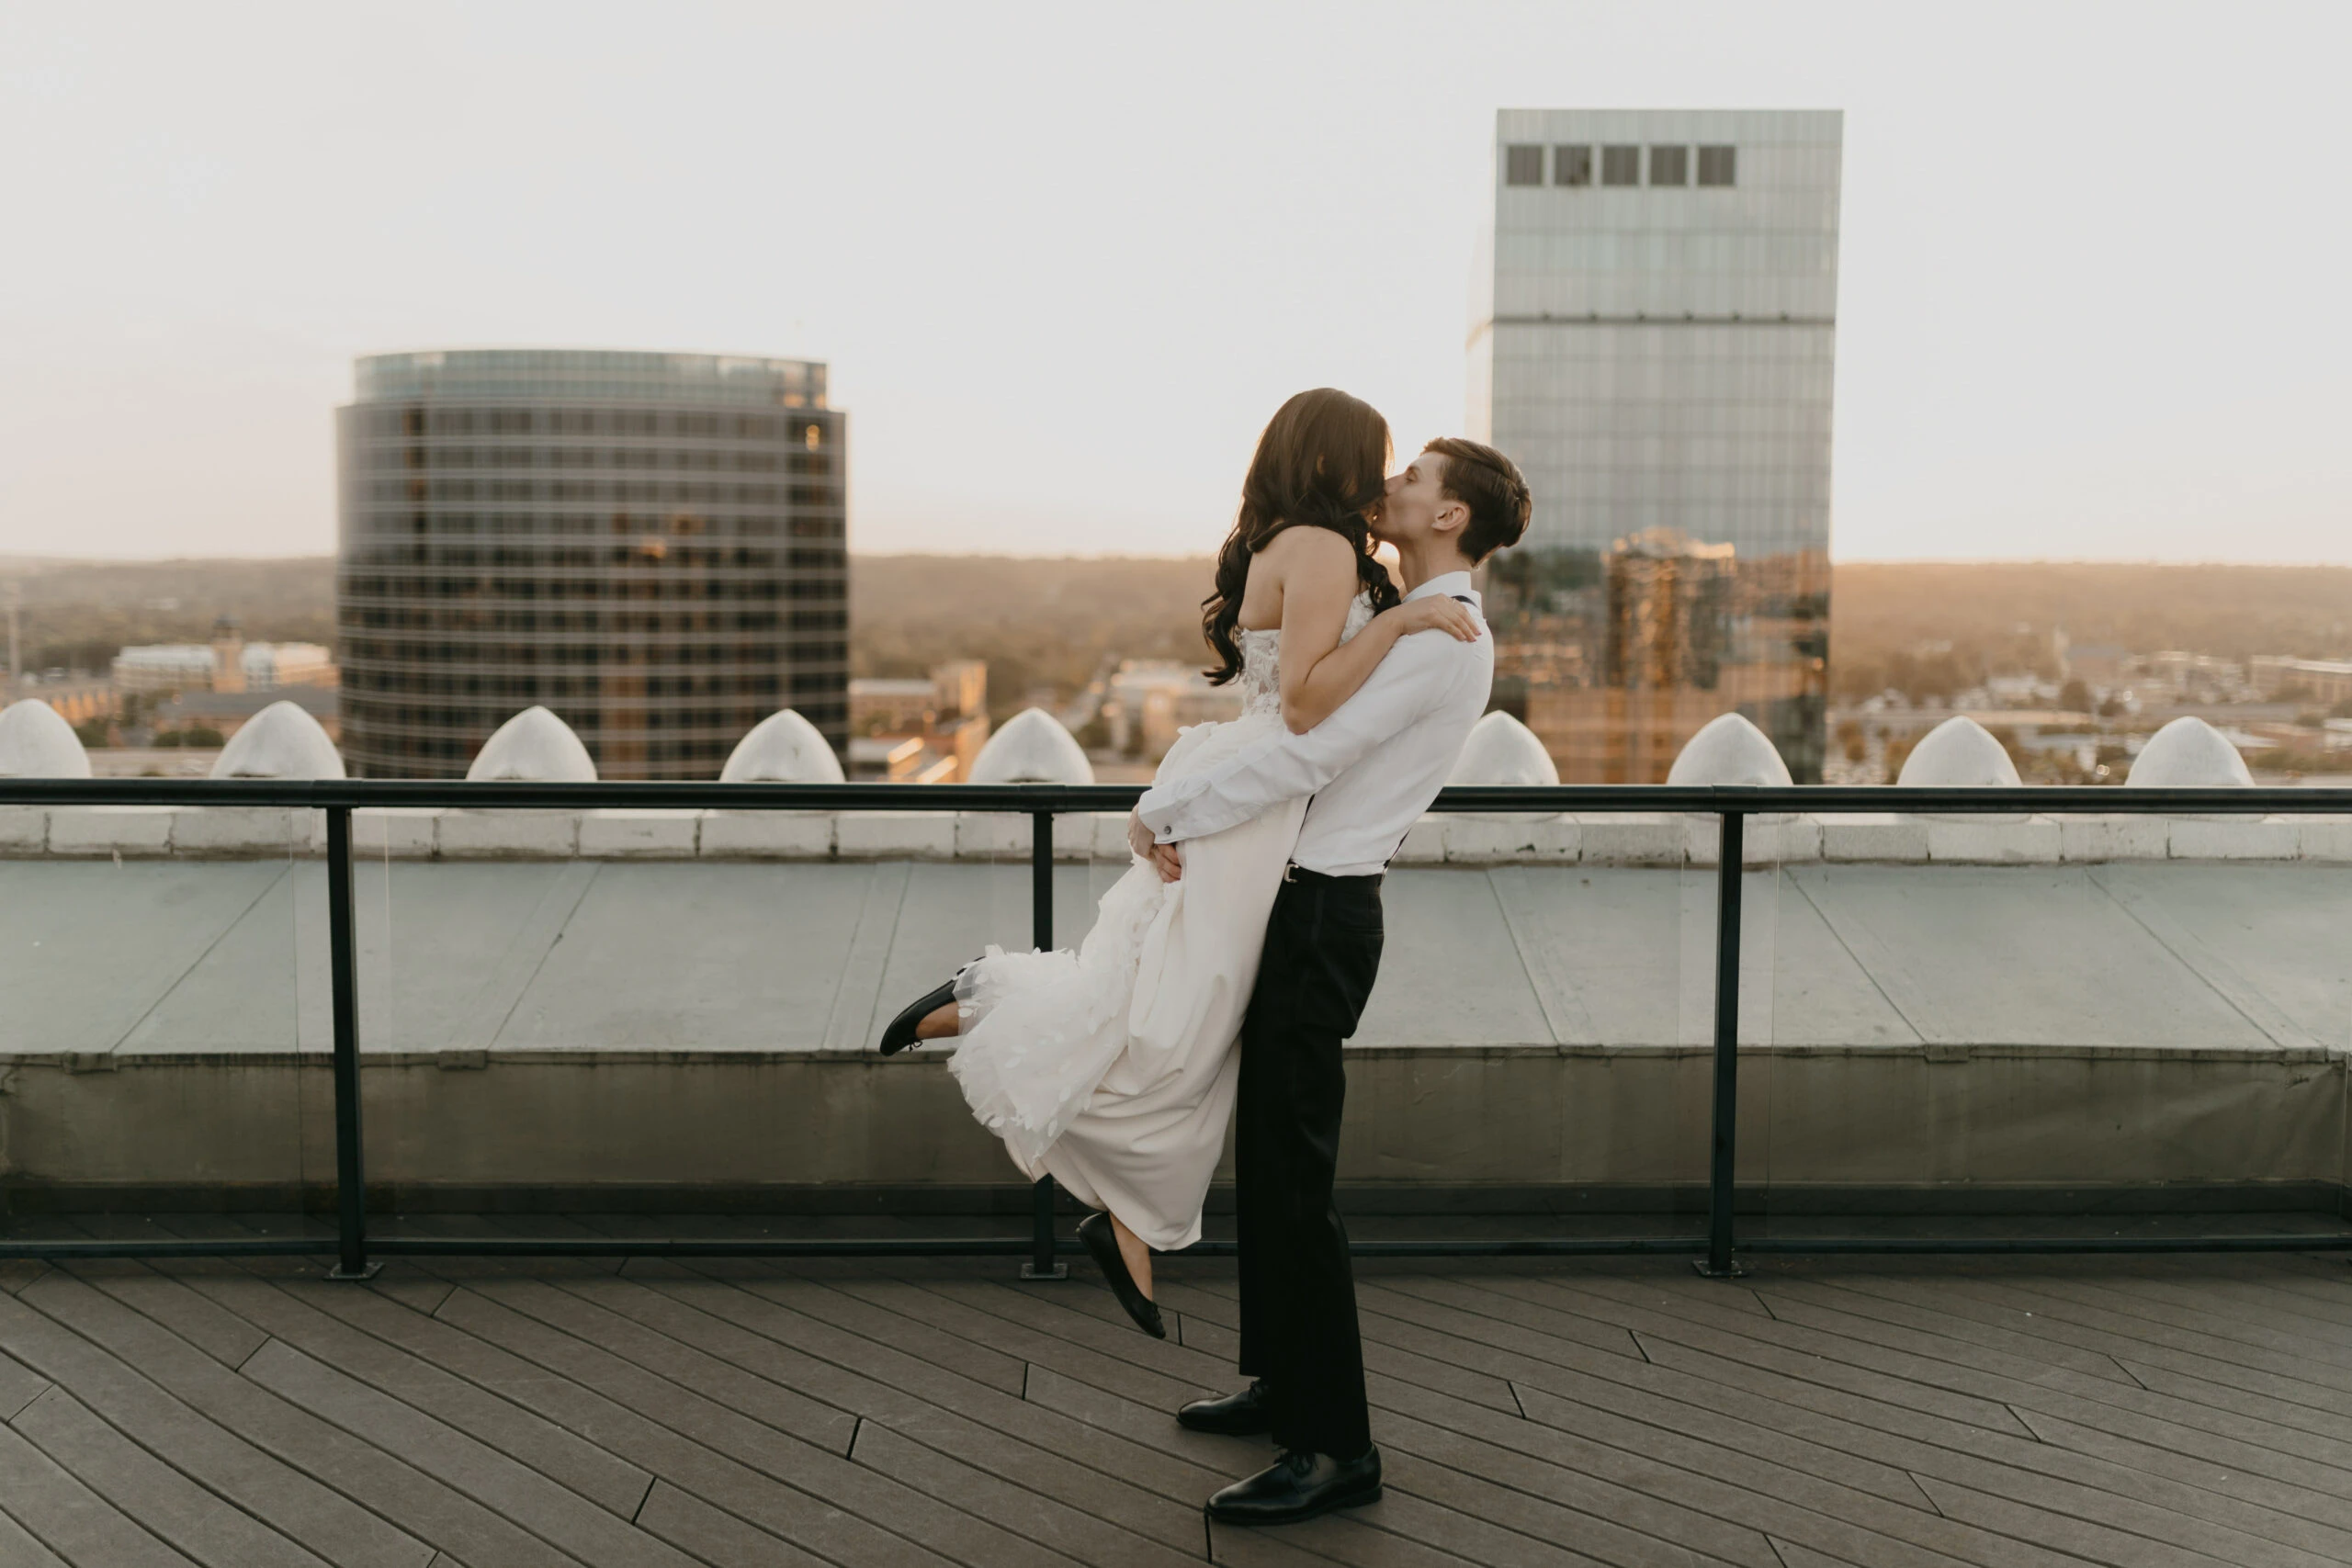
(1113, 1068)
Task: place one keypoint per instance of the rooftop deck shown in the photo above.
(2124, 1411)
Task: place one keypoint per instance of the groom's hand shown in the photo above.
(1168, 862)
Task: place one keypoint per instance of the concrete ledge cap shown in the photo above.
(37, 743)
(536, 747)
(1729, 750)
(2188, 753)
(1032, 747)
(783, 748)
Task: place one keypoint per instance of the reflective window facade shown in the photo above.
(1658, 359)
(654, 545)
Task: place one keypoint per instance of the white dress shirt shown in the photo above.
(1373, 767)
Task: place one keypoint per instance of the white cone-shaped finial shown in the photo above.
(783, 748)
(1959, 753)
(533, 746)
(279, 742)
(1501, 750)
(36, 743)
(1729, 749)
(1032, 747)
(2188, 753)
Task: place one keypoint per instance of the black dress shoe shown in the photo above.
(1242, 1415)
(1103, 1243)
(1299, 1485)
(900, 1032)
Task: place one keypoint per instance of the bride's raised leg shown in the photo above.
(1135, 1255)
(939, 1023)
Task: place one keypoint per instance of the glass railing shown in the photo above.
(454, 1017)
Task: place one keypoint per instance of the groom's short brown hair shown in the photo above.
(1491, 486)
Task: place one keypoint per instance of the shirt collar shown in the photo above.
(1452, 584)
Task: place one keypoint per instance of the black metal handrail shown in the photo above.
(1027, 798)
(1731, 804)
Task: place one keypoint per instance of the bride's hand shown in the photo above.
(1165, 858)
(1435, 614)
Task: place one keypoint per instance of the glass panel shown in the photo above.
(1523, 166)
(1536, 1051)
(165, 1042)
(1621, 165)
(2034, 1026)
(663, 1022)
(1571, 166)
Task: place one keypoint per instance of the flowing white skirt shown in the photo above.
(1113, 1068)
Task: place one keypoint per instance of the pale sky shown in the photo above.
(1065, 261)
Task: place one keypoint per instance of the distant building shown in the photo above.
(955, 689)
(76, 699)
(1652, 340)
(228, 711)
(1150, 700)
(899, 759)
(164, 666)
(2196, 677)
(2324, 681)
(652, 545)
(944, 716)
(891, 706)
(227, 663)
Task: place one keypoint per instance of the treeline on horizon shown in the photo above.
(1053, 622)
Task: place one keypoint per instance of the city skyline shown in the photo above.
(2085, 312)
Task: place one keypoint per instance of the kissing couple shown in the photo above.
(1252, 918)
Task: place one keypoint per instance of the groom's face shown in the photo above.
(1410, 506)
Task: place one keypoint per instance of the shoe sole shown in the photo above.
(1259, 1430)
(1299, 1516)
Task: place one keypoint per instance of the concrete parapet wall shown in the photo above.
(1639, 839)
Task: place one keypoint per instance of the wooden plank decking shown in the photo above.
(2147, 1413)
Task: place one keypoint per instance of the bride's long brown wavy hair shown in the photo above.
(1322, 463)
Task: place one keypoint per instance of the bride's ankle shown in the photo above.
(941, 1023)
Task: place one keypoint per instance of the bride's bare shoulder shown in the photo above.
(1298, 568)
(1313, 561)
(1301, 545)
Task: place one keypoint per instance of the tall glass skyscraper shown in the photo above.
(1653, 331)
(651, 545)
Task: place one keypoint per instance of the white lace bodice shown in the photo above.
(1262, 675)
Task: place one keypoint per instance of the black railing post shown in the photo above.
(1728, 856)
(1041, 1264)
(343, 960)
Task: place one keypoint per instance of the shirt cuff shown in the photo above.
(1160, 804)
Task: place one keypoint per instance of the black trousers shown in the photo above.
(1298, 1294)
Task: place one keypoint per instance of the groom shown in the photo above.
(1370, 769)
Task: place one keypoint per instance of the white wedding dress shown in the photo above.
(1113, 1068)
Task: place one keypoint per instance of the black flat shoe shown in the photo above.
(1104, 1244)
(1299, 1485)
(1242, 1415)
(900, 1032)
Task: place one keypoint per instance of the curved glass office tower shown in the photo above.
(651, 545)
(1652, 339)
